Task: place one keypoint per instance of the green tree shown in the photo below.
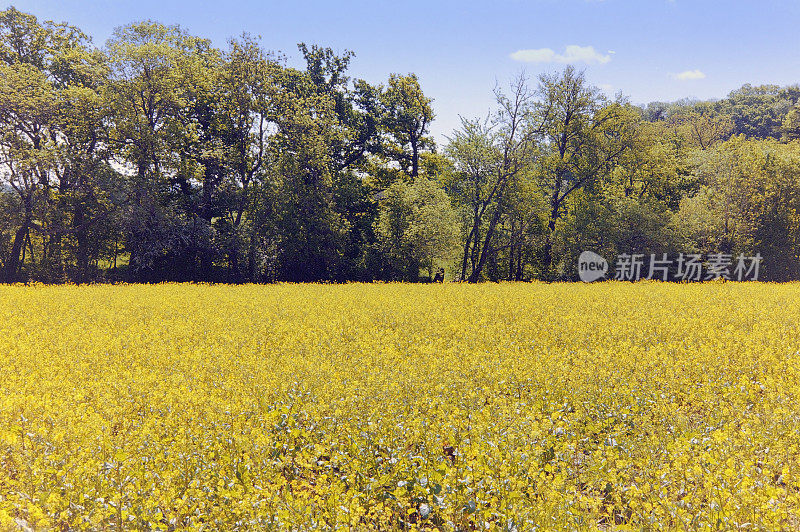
(311, 230)
(246, 108)
(416, 229)
(790, 127)
(54, 138)
(28, 105)
(488, 157)
(583, 138)
(152, 93)
(407, 122)
(748, 203)
(756, 112)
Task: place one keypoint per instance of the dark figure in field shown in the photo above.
(439, 278)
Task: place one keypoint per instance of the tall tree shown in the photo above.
(249, 82)
(28, 105)
(416, 228)
(150, 92)
(53, 121)
(311, 230)
(407, 122)
(327, 129)
(489, 156)
(583, 138)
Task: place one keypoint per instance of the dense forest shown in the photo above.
(159, 157)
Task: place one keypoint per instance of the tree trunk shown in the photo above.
(547, 256)
(414, 159)
(487, 240)
(466, 256)
(13, 264)
(511, 249)
(251, 260)
(82, 251)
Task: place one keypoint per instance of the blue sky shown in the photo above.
(648, 49)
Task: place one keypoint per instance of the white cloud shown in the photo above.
(689, 74)
(572, 54)
(607, 87)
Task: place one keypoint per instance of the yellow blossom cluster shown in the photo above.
(614, 406)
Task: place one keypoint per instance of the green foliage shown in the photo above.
(748, 203)
(162, 157)
(416, 229)
(408, 115)
(585, 137)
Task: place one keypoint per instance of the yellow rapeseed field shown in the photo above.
(521, 407)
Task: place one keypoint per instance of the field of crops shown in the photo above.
(506, 407)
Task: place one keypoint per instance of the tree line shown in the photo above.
(159, 157)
